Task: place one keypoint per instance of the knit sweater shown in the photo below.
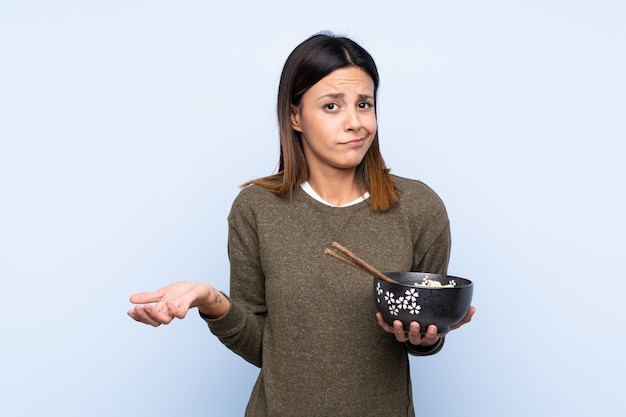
(308, 320)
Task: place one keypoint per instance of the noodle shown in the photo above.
(426, 282)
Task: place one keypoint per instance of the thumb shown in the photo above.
(146, 297)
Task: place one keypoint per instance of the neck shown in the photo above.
(338, 189)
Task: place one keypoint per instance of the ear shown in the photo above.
(295, 119)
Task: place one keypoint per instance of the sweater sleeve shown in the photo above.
(437, 255)
(435, 260)
(241, 329)
(425, 350)
(431, 250)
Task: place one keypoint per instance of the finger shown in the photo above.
(382, 323)
(146, 297)
(139, 314)
(470, 314)
(398, 331)
(177, 310)
(466, 319)
(158, 313)
(415, 337)
(132, 314)
(431, 336)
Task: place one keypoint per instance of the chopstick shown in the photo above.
(356, 262)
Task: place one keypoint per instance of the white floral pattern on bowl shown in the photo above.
(407, 301)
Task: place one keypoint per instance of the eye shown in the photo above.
(365, 105)
(331, 106)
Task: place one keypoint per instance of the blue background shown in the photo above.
(127, 126)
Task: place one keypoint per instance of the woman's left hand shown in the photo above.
(414, 336)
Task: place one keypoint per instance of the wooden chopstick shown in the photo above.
(334, 254)
(353, 260)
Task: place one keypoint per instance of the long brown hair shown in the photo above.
(308, 63)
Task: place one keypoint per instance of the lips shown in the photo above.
(355, 142)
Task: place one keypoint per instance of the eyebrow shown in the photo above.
(342, 95)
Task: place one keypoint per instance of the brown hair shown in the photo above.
(308, 63)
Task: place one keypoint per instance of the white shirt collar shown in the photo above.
(310, 191)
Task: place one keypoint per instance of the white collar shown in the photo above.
(310, 191)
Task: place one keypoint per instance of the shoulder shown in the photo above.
(254, 198)
(412, 191)
(421, 205)
(253, 192)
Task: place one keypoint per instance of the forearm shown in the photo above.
(239, 330)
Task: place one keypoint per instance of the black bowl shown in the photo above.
(441, 306)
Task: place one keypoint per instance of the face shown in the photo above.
(337, 121)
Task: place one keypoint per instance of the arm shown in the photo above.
(435, 260)
(241, 329)
(239, 325)
(430, 228)
(430, 255)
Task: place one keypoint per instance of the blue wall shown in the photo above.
(126, 127)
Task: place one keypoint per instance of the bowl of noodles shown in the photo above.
(442, 300)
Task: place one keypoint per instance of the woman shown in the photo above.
(306, 320)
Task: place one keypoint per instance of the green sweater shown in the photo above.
(308, 320)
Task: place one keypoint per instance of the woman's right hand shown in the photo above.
(175, 300)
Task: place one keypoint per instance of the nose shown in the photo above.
(353, 120)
